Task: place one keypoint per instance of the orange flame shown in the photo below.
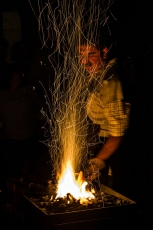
(76, 187)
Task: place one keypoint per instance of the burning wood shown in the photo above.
(72, 193)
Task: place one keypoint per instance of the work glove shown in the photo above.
(94, 166)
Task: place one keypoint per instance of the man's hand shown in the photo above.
(95, 165)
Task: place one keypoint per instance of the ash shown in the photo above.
(50, 205)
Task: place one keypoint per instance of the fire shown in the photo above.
(76, 187)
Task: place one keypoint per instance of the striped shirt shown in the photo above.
(106, 106)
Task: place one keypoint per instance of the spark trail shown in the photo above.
(63, 25)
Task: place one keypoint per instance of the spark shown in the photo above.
(62, 24)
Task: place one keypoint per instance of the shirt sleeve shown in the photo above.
(117, 115)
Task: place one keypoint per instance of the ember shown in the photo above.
(69, 213)
(50, 204)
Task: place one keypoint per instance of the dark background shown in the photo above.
(133, 33)
(133, 26)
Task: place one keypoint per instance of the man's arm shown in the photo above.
(99, 162)
(110, 146)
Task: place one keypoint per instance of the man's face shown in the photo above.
(90, 58)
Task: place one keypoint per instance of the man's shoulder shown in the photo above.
(112, 63)
(110, 72)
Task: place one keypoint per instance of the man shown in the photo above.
(105, 107)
